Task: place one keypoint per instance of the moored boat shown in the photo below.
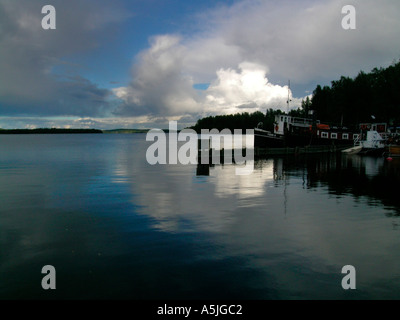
(353, 150)
(294, 132)
(373, 138)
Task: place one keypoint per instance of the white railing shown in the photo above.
(357, 141)
(384, 135)
(301, 120)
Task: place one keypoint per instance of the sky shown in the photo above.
(140, 64)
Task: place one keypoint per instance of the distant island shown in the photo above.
(72, 131)
(124, 131)
(48, 131)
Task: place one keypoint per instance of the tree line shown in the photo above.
(369, 97)
(244, 120)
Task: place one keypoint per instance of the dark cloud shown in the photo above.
(304, 40)
(29, 55)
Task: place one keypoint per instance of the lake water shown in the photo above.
(115, 227)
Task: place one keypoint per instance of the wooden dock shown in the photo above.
(262, 152)
(205, 156)
(206, 152)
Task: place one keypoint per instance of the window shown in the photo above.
(333, 135)
(345, 136)
(324, 135)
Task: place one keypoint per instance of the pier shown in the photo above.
(262, 152)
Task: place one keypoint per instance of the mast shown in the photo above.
(288, 98)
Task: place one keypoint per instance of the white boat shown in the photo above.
(353, 150)
(371, 140)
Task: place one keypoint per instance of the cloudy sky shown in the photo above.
(138, 64)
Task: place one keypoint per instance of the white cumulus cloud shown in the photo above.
(162, 85)
(247, 88)
(159, 86)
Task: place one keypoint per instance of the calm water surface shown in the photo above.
(115, 227)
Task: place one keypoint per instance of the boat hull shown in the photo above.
(268, 140)
(353, 150)
(372, 151)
